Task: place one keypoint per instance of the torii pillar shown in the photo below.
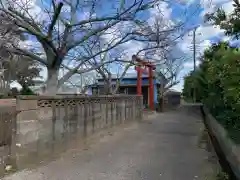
(148, 68)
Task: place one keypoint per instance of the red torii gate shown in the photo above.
(148, 68)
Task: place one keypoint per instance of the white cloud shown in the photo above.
(33, 9)
(228, 7)
(211, 6)
(206, 32)
(203, 33)
(190, 64)
(209, 3)
(163, 10)
(28, 44)
(181, 76)
(205, 44)
(186, 46)
(131, 48)
(226, 38)
(66, 8)
(116, 32)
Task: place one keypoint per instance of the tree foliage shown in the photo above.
(216, 81)
(217, 84)
(21, 69)
(229, 22)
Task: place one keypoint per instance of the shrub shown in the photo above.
(27, 91)
(217, 85)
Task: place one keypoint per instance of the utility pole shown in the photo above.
(194, 49)
(194, 61)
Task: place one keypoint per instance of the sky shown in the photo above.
(205, 33)
(173, 11)
(192, 13)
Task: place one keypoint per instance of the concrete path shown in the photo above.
(170, 146)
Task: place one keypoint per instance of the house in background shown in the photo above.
(172, 99)
(128, 85)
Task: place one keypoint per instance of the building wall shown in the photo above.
(130, 81)
(133, 82)
(155, 94)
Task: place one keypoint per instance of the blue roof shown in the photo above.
(128, 76)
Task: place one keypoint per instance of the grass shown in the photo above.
(220, 175)
(234, 134)
(233, 131)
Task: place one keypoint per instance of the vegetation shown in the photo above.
(216, 81)
(216, 84)
(220, 175)
(230, 23)
(23, 70)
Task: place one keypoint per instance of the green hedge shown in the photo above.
(217, 85)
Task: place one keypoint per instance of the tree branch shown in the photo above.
(29, 54)
(57, 12)
(92, 33)
(116, 17)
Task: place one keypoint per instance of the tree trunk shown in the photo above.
(108, 86)
(115, 91)
(161, 103)
(52, 82)
(161, 96)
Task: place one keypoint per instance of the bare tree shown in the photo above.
(167, 73)
(61, 32)
(8, 38)
(107, 75)
(160, 40)
(157, 37)
(154, 37)
(82, 82)
(118, 55)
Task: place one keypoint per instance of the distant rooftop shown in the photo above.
(127, 76)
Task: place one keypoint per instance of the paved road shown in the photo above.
(171, 146)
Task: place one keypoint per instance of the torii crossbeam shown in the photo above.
(148, 68)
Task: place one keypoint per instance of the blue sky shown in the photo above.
(191, 12)
(206, 34)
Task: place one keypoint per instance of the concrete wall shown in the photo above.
(145, 81)
(45, 123)
(42, 119)
(230, 150)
